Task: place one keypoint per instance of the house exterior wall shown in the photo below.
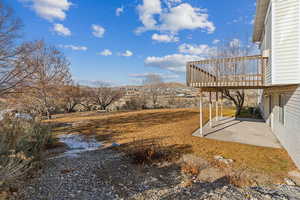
(266, 45)
(285, 41)
(282, 37)
(288, 132)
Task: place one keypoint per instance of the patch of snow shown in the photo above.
(17, 115)
(78, 143)
(23, 116)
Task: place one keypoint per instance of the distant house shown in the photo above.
(276, 72)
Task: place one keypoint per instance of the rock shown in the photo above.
(210, 174)
(218, 157)
(109, 174)
(289, 182)
(222, 159)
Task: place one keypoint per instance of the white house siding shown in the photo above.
(266, 45)
(289, 132)
(285, 42)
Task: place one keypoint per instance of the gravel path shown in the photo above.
(108, 174)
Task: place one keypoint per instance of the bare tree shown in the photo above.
(237, 97)
(87, 95)
(13, 72)
(233, 48)
(104, 95)
(71, 97)
(153, 83)
(51, 75)
(136, 103)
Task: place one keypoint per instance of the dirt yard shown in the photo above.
(152, 155)
(172, 129)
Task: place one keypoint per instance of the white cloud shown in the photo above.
(127, 53)
(50, 9)
(201, 49)
(235, 43)
(61, 30)
(173, 19)
(174, 62)
(242, 19)
(216, 41)
(174, 1)
(185, 16)
(119, 11)
(147, 12)
(98, 31)
(171, 3)
(105, 52)
(164, 38)
(74, 47)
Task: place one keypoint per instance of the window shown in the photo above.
(281, 108)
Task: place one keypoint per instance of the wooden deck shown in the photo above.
(236, 73)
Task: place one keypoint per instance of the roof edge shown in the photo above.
(261, 12)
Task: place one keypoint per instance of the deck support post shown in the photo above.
(210, 110)
(201, 114)
(222, 104)
(217, 102)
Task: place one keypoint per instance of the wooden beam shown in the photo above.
(217, 100)
(221, 104)
(210, 110)
(220, 88)
(201, 115)
(222, 60)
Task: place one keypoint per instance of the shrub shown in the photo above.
(149, 152)
(238, 178)
(190, 169)
(135, 103)
(21, 144)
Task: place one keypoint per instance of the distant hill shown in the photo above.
(175, 85)
(166, 84)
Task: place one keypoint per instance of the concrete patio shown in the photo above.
(253, 132)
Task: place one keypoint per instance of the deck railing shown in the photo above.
(248, 71)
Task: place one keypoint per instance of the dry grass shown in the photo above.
(190, 169)
(149, 152)
(173, 129)
(238, 181)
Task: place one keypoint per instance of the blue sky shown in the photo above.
(120, 41)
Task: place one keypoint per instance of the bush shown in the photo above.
(250, 112)
(150, 152)
(190, 169)
(21, 144)
(135, 103)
